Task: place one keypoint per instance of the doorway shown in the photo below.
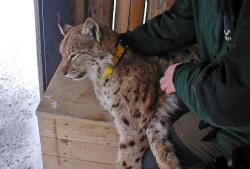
(19, 87)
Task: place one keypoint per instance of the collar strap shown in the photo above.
(119, 52)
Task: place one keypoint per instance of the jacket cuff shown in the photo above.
(184, 79)
(181, 72)
(176, 72)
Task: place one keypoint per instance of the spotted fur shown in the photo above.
(142, 112)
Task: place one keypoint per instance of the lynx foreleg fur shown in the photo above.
(158, 132)
(161, 147)
(132, 145)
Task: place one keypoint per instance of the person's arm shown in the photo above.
(219, 93)
(171, 30)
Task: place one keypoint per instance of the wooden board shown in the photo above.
(122, 15)
(72, 98)
(99, 153)
(129, 14)
(102, 11)
(136, 13)
(75, 129)
(54, 162)
(79, 11)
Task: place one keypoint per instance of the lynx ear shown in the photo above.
(91, 28)
(64, 29)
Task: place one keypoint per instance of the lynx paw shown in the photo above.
(168, 160)
(125, 165)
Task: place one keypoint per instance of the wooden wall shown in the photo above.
(128, 13)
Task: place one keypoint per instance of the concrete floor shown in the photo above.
(19, 91)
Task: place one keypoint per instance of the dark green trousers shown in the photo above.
(192, 152)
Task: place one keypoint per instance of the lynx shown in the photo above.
(142, 112)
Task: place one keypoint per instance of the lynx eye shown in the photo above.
(73, 56)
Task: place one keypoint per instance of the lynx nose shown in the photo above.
(65, 67)
(64, 71)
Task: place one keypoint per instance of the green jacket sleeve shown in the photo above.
(219, 93)
(171, 30)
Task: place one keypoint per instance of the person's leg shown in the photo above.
(190, 149)
(186, 130)
(149, 161)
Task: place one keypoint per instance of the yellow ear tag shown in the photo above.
(107, 72)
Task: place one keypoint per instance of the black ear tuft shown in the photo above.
(93, 32)
(91, 28)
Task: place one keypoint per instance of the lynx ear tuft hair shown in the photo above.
(64, 29)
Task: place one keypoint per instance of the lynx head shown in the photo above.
(86, 49)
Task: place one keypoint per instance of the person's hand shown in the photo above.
(166, 81)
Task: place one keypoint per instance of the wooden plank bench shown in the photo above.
(75, 131)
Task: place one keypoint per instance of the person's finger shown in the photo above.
(164, 86)
(169, 91)
(167, 71)
(163, 79)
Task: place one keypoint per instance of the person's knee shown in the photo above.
(149, 161)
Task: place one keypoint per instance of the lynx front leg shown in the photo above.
(132, 145)
(157, 133)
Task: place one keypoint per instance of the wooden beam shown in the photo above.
(79, 11)
(122, 15)
(129, 14)
(102, 11)
(136, 13)
(55, 162)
